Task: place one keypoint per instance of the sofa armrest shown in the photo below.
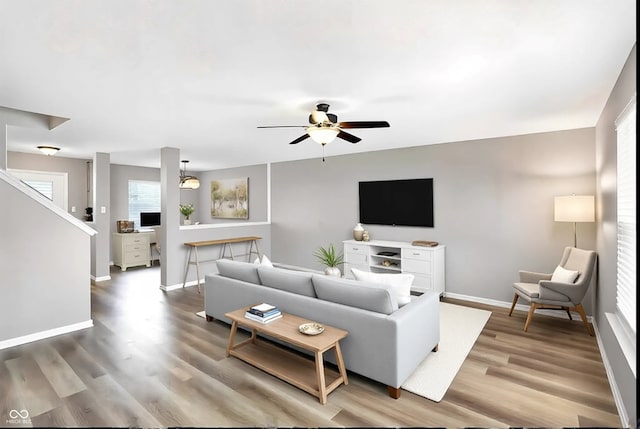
(532, 277)
(420, 319)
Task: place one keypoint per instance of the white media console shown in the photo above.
(378, 256)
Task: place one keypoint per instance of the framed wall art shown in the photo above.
(230, 198)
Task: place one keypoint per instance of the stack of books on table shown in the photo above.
(263, 313)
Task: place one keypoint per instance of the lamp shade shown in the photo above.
(186, 181)
(574, 208)
(189, 182)
(323, 135)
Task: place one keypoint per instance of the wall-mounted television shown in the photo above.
(149, 218)
(407, 202)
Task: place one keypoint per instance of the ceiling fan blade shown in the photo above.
(282, 126)
(348, 137)
(364, 124)
(299, 139)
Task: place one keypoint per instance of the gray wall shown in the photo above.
(624, 89)
(493, 203)
(44, 268)
(80, 194)
(120, 176)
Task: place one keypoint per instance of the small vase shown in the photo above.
(366, 236)
(187, 222)
(333, 271)
(357, 232)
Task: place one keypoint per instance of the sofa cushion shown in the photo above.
(368, 296)
(292, 281)
(238, 270)
(400, 283)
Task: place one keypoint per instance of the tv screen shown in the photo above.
(149, 218)
(406, 202)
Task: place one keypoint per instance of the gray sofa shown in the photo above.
(385, 343)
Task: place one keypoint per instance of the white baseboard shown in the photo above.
(505, 304)
(100, 279)
(617, 396)
(179, 285)
(45, 334)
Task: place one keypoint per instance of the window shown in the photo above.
(45, 187)
(626, 216)
(53, 185)
(144, 196)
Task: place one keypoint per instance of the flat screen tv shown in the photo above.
(149, 218)
(406, 202)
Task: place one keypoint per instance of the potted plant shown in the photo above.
(186, 210)
(331, 259)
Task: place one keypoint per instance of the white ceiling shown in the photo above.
(137, 75)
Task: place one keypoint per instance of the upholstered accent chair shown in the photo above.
(564, 289)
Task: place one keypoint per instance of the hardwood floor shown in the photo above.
(150, 361)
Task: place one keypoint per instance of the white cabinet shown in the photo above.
(131, 250)
(425, 263)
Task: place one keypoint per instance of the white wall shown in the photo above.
(44, 269)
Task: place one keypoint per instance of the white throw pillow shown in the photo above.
(266, 261)
(400, 283)
(564, 276)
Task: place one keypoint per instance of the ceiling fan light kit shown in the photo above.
(325, 127)
(323, 135)
(188, 182)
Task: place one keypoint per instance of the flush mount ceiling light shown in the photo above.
(49, 150)
(188, 182)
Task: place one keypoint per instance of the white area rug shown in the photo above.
(459, 329)
(201, 313)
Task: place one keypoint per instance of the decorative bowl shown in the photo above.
(311, 328)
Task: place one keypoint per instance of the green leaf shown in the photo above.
(328, 256)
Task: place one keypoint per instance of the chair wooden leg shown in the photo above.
(513, 304)
(530, 315)
(583, 315)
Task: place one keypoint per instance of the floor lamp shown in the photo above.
(574, 208)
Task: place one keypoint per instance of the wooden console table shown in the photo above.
(297, 370)
(226, 244)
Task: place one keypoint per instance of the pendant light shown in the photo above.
(188, 182)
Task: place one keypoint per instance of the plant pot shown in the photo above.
(187, 222)
(333, 271)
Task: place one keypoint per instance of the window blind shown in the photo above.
(43, 186)
(144, 196)
(626, 215)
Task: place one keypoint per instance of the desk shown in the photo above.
(226, 244)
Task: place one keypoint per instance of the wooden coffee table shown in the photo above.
(312, 377)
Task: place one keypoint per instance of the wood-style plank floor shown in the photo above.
(150, 361)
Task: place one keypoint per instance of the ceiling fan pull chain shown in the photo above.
(323, 145)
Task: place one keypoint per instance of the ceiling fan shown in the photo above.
(324, 127)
